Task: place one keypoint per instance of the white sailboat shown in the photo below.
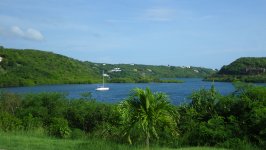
(102, 88)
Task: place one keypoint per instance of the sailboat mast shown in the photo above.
(103, 78)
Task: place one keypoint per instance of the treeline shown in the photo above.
(247, 69)
(137, 72)
(236, 121)
(26, 67)
(143, 80)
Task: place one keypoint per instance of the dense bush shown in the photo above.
(43, 106)
(9, 102)
(9, 122)
(30, 123)
(212, 119)
(59, 128)
(77, 134)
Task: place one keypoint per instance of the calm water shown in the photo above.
(178, 93)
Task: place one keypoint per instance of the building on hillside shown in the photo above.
(149, 70)
(106, 75)
(185, 67)
(251, 70)
(115, 70)
(1, 58)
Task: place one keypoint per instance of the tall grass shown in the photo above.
(29, 141)
(37, 140)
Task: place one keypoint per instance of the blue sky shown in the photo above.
(208, 33)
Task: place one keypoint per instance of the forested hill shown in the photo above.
(33, 67)
(248, 69)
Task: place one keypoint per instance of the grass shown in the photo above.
(200, 148)
(29, 141)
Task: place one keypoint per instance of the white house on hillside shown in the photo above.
(115, 70)
(1, 58)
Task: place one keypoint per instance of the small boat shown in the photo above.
(102, 88)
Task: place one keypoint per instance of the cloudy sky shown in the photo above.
(207, 33)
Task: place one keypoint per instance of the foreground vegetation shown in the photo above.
(144, 119)
(246, 69)
(33, 67)
(38, 140)
(26, 141)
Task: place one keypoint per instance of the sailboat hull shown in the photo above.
(102, 89)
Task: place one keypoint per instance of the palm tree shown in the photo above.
(146, 111)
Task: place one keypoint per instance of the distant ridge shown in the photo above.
(247, 69)
(28, 67)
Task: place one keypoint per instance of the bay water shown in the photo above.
(178, 92)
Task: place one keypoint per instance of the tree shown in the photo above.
(147, 112)
(204, 101)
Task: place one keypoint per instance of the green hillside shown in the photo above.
(26, 67)
(149, 73)
(31, 67)
(247, 69)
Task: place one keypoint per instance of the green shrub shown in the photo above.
(29, 122)
(98, 115)
(10, 102)
(59, 128)
(44, 106)
(9, 122)
(214, 131)
(237, 144)
(77, 134)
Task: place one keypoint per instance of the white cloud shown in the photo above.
(159, 14)
(30, 33)
(34, 34)
(17, 31)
